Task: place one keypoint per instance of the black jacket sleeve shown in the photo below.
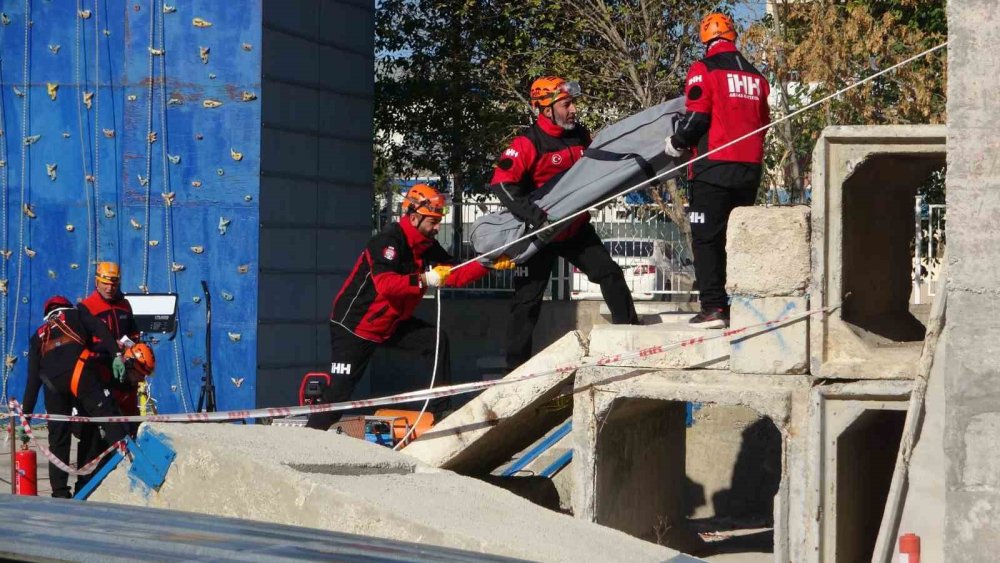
(520, 206)
(95, 329)
(691, 128)
(34, 382)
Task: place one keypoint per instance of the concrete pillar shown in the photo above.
(972, 382)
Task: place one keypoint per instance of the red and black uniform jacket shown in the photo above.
(384, 287)
(533, 163)
(117, 316)
(55, 346)
(726, 98)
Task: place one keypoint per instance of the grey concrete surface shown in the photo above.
(972, 375)
(503, 420)
(774, 350)
(862, 228)
(767, 251)
(612, 340)
(322, 480)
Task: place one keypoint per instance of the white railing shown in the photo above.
(928, 248)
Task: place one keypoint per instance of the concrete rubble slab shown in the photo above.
(768, 253)
(777, 350)
(862, 230)
(609, 340)
(629, 428)
(305, 478)
(502, 420)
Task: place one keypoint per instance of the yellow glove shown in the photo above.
(503, 262)
(436, 276)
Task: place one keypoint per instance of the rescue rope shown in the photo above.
(441, 392)
(437, 352)
(144, 285)
(81, 80)
(3, 226)
(97, 136)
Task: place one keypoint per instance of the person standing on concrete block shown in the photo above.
(726, 99)
(375, 305)
(534, 161)
(58, 354)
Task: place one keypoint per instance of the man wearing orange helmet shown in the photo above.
(533, 163)
(726, 98)
(375, 305)
(57, 357)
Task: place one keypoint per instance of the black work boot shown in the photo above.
(711, 317)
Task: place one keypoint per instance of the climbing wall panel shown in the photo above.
(131, 133)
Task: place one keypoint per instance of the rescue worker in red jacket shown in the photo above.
(109, 305)
(376, 302)
(726, 98)
(533, 163)
(57, 358)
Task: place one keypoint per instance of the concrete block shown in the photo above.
(502, 420)
(767, 251)
(302, 477)
(612, 340)
(628, 429)
(778, 350)
(862, 229)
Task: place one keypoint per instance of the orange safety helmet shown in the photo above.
(716, 25)
(423, 199)
(140, 358)
(548, 90)
(108, 272)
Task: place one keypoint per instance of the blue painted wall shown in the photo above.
(78, 222)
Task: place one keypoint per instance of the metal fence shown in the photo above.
(928, 248)
(650, 249)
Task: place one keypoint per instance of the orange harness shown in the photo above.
(81, 362)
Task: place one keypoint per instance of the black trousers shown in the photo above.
(710, 207)
(92, 401)
(585, 251)
(349, 356)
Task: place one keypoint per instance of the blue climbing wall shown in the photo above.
(83, 180)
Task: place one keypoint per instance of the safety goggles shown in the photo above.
(438, 205)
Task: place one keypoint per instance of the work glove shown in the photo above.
(545, 235)
(503, 262)
(436, 276)
(671, 149)
(20, 434)
(118, 368)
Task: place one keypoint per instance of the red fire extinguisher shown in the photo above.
(26, 468)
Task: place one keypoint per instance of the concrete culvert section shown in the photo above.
(866, 457)
(322, 480)
(878, 233)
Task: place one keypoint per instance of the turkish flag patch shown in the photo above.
(389, 253)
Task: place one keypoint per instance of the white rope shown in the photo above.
(702, 156)
(149, 150)
(97, 136)
(81, 80)
(168, 212)
(3, 226)
(24, 180)
(437, 353)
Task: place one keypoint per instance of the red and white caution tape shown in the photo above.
(425, 394)
(87, 469)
